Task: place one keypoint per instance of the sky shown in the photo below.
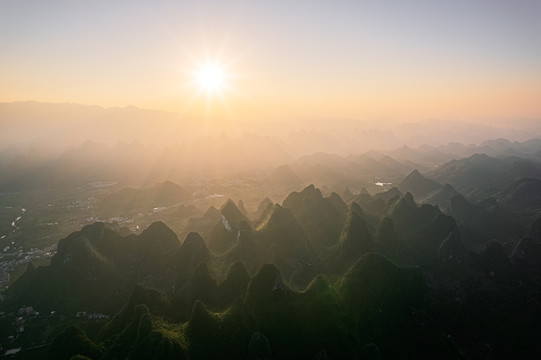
(376, 61)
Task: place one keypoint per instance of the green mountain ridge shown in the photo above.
(401, 283)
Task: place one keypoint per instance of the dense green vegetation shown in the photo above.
(422, 270)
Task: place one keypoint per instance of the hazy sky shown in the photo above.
(372, 60)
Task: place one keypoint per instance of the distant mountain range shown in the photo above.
(52, 127)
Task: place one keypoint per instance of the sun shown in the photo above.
(211, 84)
(211, 78)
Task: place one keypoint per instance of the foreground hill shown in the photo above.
(322, 218)
(382, 277)
(95, 269)
(268, 320)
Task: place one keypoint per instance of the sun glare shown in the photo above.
(211, 78)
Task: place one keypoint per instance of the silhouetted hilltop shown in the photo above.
(322, 219)
(422, 228)
(370, 205)
(209, 218)
(192, 252)
(283, 236)
(159, 235)
(263, 207)
(200, 286)
(232, 213)
(373, 281)
(354, 242)
(284, 176)
(242, 209)
(169, 192)
(388, 195)
(419, 186)
(400, 167)
(211, 213)
(268, 300)
(235, 284)
(142, 300)
(225, 232)
(347, 195)
(135, 332)
(263, 322)
(80, 276)
(371, 221)
(94, 269)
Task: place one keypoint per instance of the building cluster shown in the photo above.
(13, 256)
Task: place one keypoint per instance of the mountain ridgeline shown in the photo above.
(416, 271)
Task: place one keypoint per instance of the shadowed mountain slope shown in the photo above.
(421, 227)
(419, 186)
(442, 197)
(321, 218)
(480, 175)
